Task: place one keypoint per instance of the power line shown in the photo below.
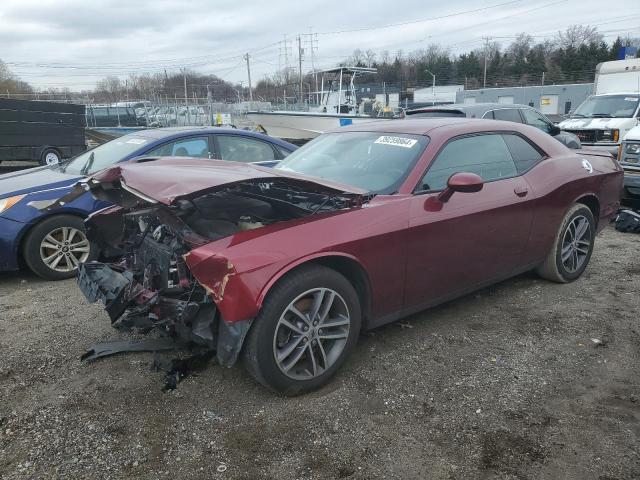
(424, 20)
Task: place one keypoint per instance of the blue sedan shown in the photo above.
(53, 243)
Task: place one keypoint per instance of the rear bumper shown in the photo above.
(130, 306)
(10, 234)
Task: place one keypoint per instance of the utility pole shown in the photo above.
(541, 90)
(246, 57)
(313, 41)
(184, 77)
(486, 55)
(433, 86)
(300, 67)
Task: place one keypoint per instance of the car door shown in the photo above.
(242, 148)
(195, 146)
(473, 238)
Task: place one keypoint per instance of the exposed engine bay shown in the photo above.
(147, 284)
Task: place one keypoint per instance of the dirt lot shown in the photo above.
(505, 383)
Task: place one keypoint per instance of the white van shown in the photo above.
(603, 119)
(629, 157)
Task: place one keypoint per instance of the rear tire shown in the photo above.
(572, 247)
(50, 156)
(54, 247)
(321, 339)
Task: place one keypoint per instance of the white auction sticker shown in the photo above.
(397, 141)
(630, 99)
(137, 141)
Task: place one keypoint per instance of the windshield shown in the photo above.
(374, 161)
(104, 155)
(608, 106)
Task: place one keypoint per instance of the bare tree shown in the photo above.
(370, 57)
(577, 35)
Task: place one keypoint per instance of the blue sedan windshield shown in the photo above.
(104, 155)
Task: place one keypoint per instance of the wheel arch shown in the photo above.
(591, 201)
(345, 264)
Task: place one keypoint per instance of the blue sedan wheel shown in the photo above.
(55, 247)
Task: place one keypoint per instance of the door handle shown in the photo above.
(521, 191)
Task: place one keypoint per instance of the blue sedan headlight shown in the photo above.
(7, 203)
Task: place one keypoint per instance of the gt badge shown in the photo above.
(587, 166)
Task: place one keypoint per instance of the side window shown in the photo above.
(185, 147)
(524, 154)
(533, 118)
(489, 115)
(508, 115)
(244, 149)
(485, 155)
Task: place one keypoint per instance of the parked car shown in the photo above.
(629, 157)
(357, 228)
(500, 111)
(33, 233)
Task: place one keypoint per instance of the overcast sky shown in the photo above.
(55, 43)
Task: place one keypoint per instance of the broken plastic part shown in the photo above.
(230, 340)
(106, 349)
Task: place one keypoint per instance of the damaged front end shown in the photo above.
(150, 286)
(148, 283)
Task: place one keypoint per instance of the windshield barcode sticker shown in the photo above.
(397, 141)
(137, 141)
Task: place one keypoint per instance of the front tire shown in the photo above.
(307, 327)
(572, 247)
(55, 247)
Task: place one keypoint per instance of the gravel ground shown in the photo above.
(526, 379)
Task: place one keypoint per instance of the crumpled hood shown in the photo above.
(35, 180)
(592, 123)
(165, 180)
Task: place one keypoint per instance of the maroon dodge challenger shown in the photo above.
(362, 226)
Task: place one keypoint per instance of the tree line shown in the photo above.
(568, 57)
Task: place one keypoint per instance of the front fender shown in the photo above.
(239, 286)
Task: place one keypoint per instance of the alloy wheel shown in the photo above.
(576, 244)
(64, 248)
(311, 334)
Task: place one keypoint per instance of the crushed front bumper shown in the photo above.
(170, 311)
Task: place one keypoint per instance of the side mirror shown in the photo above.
(461, 182)
(554, 130)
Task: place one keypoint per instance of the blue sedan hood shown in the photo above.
(35, 180)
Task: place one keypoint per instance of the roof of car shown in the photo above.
(477, 108)
(416, 126)
(177, 132)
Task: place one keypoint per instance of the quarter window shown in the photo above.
(524, 154)
(485, 155)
